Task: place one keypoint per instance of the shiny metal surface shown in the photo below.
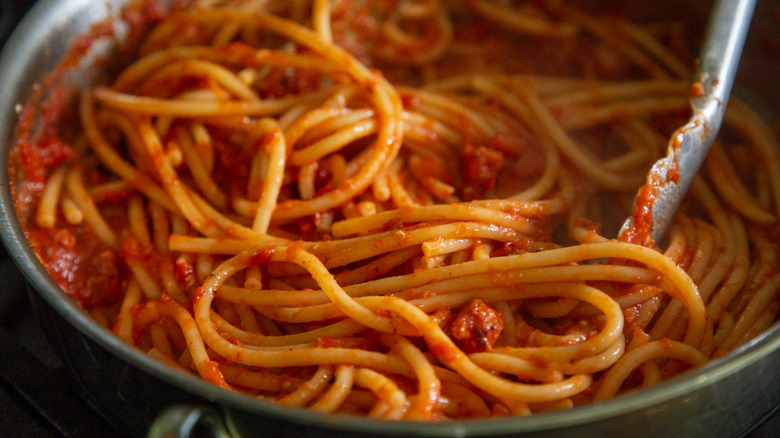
(724, 398)
(688, 147)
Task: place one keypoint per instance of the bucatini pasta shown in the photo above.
(402, 209)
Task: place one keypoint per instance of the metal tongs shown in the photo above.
(670, 177)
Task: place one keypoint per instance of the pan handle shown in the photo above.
(181, 421)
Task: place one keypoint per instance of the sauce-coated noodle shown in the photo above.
(401, 209)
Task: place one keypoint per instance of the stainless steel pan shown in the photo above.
(724, 398)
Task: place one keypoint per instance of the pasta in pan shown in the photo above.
(402, 209)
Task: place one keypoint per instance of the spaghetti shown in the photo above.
(401, 209)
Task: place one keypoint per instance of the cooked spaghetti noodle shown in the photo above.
(400, 209)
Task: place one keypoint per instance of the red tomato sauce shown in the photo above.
(81, 264)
